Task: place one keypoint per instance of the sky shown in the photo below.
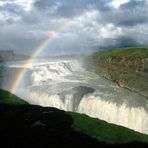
(93, 25)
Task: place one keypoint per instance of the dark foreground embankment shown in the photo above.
(23, 125)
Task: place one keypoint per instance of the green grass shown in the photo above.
(125, 52)
(62, 122)
(8, 98)
(105, 132)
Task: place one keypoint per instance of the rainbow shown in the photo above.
(36, 51)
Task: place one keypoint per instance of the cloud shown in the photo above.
(23, 4)
(129, 14)
(64, 8)
(117, 3)
(95, 24)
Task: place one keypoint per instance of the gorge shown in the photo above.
(65, 84)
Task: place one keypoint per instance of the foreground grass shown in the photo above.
(44, 127)
(105, 132)
(9, 98)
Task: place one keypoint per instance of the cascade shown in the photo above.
(65, 84)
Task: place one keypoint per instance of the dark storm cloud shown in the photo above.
(129, 14)
(126, 42)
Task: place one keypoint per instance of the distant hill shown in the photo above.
(23, 125)
(128, 67)
(9, 55)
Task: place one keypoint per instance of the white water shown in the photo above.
(65, 84)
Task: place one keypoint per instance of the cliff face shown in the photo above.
(127, 67)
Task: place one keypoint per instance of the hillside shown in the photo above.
(128, 67)
(24, 125)
(8, 98)
(10, 55)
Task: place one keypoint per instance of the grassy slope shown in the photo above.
(127, 66)
(105, 132)
(56, 123)
(8, 98)
(126, 52)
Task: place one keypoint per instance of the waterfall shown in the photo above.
(65, 84)
(131, 117)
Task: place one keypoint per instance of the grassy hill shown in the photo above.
(132, 52)
(128, 67)
(23, 125)
(9, 98)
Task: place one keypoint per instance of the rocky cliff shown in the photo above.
(128, 67)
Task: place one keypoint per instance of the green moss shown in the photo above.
(8, 98)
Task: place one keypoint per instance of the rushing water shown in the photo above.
(65, 84)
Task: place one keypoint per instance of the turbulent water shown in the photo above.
(65, 84)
